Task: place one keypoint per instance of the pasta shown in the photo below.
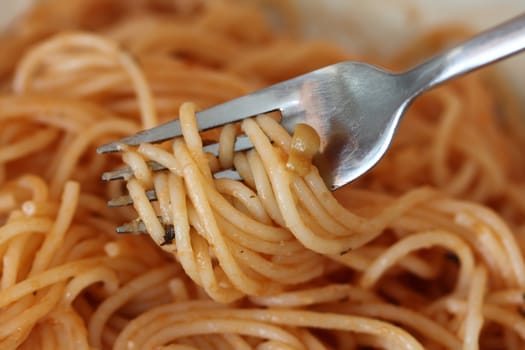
(423, 252)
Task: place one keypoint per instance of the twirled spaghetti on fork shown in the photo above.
(425, 251)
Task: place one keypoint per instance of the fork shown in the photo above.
(354, 107)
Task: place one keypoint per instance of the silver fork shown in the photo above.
(354, 107)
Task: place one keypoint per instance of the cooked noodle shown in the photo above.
(424, 252)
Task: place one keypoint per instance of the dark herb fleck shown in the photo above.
(345, 251)
(521, 311)
(169, 234)
(452, 257)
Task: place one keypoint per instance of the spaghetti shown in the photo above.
(424, 252)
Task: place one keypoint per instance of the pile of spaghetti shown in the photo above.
(424, 252)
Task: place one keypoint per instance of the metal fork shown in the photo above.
(354, 107)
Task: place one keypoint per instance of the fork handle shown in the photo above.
(490, 46)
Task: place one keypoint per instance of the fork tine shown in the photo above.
(275, 97)
(227, 174)
(241, 144)
(136, 226)
(126, 173)
(126, 200)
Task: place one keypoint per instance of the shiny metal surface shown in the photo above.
(354, 107)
